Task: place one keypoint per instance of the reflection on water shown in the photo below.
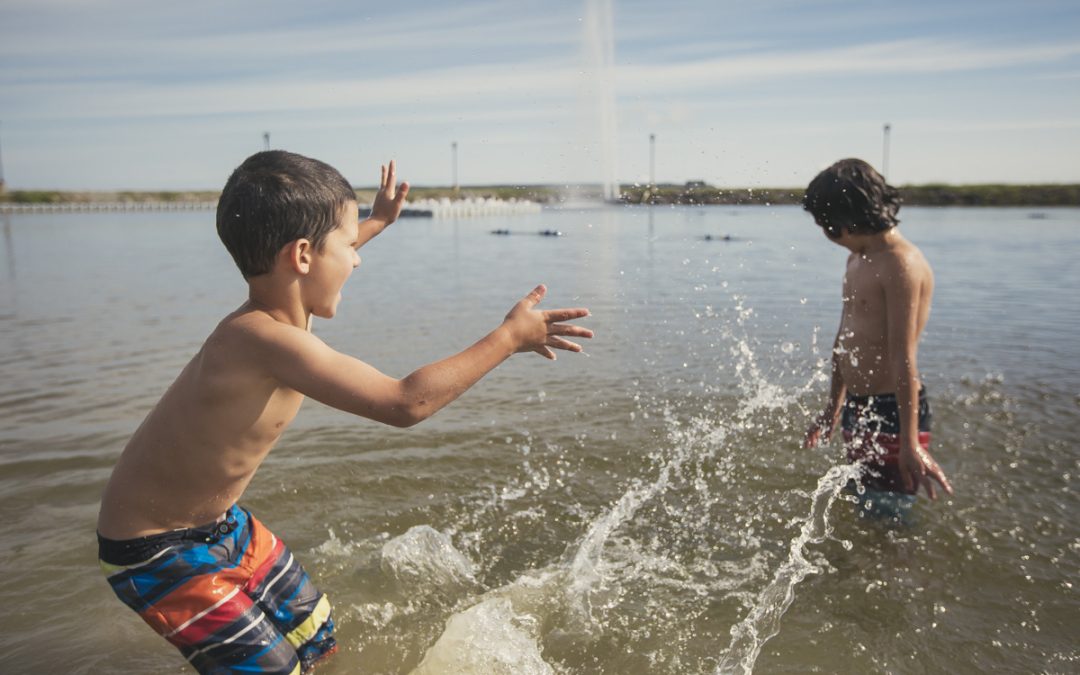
(9, 248)
(644, 509)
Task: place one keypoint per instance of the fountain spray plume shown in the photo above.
(599, 95)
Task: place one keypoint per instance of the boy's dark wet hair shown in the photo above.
(850, 195)
(276, 197)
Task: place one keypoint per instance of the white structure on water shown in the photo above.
(462, 208)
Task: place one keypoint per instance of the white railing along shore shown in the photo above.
(104, 207)
(423, 208)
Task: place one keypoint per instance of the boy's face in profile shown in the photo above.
(333, 262)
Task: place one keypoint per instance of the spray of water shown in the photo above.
(695, 528)
(763, 620)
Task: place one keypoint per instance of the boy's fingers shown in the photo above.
(535, 296)
(568, 329)
(546, 353)
(565, 314)
(909, 481)
(391, 174)
(930, 491)
(560, 343)
(402, 192)
(937, 474)
(382, 176)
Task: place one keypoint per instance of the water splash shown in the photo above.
(763, 621)
(489, 638)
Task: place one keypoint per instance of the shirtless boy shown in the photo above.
(876, 391)
(176, 547)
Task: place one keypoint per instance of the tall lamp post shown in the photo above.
(652, 160)
(885, 150)
(1, 170)
(453, 163)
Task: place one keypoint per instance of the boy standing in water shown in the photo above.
(876, 392)
(176, 547)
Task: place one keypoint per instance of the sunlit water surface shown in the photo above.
(642, 509)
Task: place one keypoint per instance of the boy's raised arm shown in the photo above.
(386, 208)
(305, 363)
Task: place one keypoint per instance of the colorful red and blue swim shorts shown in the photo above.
(871, 426)
(229, 595)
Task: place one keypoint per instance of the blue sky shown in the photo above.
(115, 94)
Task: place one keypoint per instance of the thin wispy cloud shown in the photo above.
(488, 73)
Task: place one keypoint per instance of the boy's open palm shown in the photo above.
(541, 331)
(390, 198)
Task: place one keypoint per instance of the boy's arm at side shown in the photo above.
(386, 208)
(305, 363)
(902, 291)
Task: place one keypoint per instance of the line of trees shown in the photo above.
(695, 192)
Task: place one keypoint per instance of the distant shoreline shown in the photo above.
(694, 193)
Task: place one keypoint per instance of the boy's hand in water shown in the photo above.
(390, 198)
(917, 467)
(821, 430)
(540, 331)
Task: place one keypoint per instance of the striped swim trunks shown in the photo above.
(871, 426)
(229, 595)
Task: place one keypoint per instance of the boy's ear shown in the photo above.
(298, 254)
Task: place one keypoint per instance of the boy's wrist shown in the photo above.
(504, 338)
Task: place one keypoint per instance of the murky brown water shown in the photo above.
(616, 513)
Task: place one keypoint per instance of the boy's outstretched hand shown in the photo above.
(541, 331)
(389, 201)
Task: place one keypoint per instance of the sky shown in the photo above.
(116, 94)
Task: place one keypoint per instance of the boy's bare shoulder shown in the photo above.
(254, 335)
(905, 259)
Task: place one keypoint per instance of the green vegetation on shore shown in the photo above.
(914, 195)
(694, 192)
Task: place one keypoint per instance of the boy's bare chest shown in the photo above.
(863, 292)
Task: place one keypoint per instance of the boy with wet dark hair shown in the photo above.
(876, 393)
(176, 547)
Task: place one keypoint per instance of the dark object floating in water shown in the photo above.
(1037, 216)
(542, 233)
(726, 237)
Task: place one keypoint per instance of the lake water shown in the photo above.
(642, 509)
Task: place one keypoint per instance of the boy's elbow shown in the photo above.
(407, 416)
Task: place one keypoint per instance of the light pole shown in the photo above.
(652, 160)
(885, 151)
(453, 162)
(1, 170)
(266, 140)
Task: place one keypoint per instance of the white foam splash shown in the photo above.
(763, 621)
(489, 638)
(423, 556)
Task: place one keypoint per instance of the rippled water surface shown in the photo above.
(643, 509)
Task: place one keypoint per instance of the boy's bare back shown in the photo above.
(195, 453)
